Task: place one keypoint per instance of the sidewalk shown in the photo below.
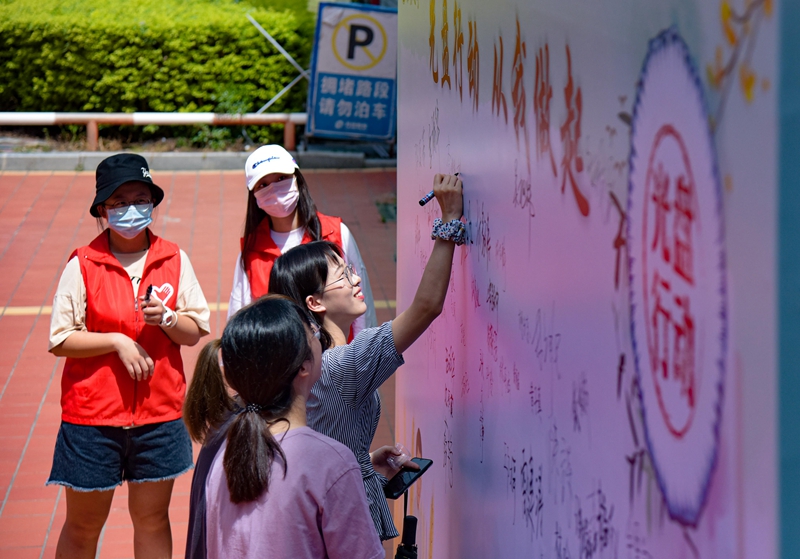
(43, 217)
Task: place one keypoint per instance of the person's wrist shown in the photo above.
(169, 318)
(115, 343)
(453, 231)
(118, 341)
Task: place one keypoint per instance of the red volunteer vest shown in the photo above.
(259, 260)
(98, 390)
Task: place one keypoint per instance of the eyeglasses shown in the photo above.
(349, 272)
(122, 204)
(314, 329)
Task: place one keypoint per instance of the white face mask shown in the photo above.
(280, 198)
(131, 220)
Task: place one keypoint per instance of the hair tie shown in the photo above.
(253, 408)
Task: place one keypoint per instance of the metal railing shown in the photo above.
(92, 120)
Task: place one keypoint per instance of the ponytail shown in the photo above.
(249, 456)
(207, 400)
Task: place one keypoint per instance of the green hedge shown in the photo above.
(148, 55)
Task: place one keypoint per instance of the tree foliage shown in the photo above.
(148, 55)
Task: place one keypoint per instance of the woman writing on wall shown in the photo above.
(123, 307)
(281, 215)
(276, 488)
(344, 404)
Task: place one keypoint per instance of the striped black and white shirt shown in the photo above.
(345, 405)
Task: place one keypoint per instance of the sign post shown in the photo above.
(352, 91)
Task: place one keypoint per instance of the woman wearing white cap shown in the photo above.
(281, 215)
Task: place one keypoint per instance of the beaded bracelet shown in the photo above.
(451, 231)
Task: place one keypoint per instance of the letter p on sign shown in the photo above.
(367, 34)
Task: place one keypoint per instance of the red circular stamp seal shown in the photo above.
(668, 287)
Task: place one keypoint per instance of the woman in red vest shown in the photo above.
(124, 305)
(281, 215)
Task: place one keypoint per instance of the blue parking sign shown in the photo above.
(352, 91)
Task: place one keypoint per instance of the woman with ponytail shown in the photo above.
(275, 487)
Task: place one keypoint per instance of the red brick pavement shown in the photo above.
(43, 217)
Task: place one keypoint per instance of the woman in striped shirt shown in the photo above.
(344, 404)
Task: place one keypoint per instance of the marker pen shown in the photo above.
(427, 198)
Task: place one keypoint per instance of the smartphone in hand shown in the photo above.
(400, 483)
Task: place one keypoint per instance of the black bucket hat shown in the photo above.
(118, 169)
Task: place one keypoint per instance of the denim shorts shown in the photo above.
(98, 458)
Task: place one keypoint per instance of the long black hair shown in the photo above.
(263, 348)
(306, 212)
(303, 271)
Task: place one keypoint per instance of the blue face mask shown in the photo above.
(131, 220)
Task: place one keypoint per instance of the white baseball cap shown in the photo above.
(266, 160)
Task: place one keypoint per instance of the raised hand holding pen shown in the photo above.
(429, 196)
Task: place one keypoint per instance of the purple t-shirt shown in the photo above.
(319, 510)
